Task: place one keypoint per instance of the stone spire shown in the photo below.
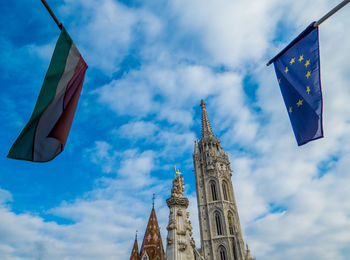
(180, 244)
(152, 246)
(220, 228)
(206, 127)
(135, 251)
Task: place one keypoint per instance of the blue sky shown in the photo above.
(150, 64)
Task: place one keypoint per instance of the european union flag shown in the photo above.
(298, 72)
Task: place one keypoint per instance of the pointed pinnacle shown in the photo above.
(206, 127)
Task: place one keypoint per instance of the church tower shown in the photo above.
(220, 229)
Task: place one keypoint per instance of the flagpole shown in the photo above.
(59, 24)
(331, 12)
(325, 17)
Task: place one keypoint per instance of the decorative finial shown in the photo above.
(202, 104)
(153, 198)
(178, 175)
(177, 172)
(178, 189)
(136, 235)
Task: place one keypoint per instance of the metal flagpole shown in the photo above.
(59, 24)
(331, 12)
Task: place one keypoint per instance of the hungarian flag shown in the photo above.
(46, 133)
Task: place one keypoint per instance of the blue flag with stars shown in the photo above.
(298, 73)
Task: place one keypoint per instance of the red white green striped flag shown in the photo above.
(46, 133)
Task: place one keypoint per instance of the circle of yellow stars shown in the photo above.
(307, 75)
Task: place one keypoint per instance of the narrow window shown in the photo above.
(234, 248)
(218, 224)
(213, 191)
(222, 253)
(230, 223)
(224, 190)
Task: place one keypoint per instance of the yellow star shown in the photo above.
(301, 58)
(279, 80)
(286, 70)
(290, 110)
(307, 63)
(292, 61)
(308, 74)
(308, 89)
(300, 102)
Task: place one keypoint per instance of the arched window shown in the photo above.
(213, 190)
(224, 190)
(218, 224)
(223, 253)
(145, 257)
(230, 223)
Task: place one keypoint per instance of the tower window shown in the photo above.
(224, 190)
(223, 253)
(218, 224)
(230, 223)
(213, 191)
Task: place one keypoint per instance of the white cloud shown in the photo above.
(287, 209)
(232, 32)
(138, 130)
(106, 30)
(103, 155)
(5, 196)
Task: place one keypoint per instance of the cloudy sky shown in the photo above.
(150, 64)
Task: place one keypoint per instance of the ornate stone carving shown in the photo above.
(172, 201)
(182, 245)
(181, 233)
(178, 188)
(172, 225)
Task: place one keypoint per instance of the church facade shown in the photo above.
(220, 229)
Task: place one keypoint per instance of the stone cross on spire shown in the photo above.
(206, 127)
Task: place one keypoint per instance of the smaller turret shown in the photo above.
(152, 245)
(135, 250)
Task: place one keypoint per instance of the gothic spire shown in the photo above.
(152, 242)
(135, 250)
(206, 127)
